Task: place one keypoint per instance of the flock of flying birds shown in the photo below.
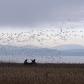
(39, 35)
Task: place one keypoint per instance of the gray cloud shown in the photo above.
(32, 13)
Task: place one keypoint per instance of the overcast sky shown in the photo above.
(25, 15)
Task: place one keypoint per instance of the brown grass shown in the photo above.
(12, 73)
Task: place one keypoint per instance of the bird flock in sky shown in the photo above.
(39, 35)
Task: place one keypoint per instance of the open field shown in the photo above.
(17, 73)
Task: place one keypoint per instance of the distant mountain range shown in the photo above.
(29, 50)
(68, 47)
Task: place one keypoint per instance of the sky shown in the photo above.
(45, 23)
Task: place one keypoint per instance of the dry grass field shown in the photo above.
(13, 73)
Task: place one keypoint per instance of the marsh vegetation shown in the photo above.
(15, 73)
